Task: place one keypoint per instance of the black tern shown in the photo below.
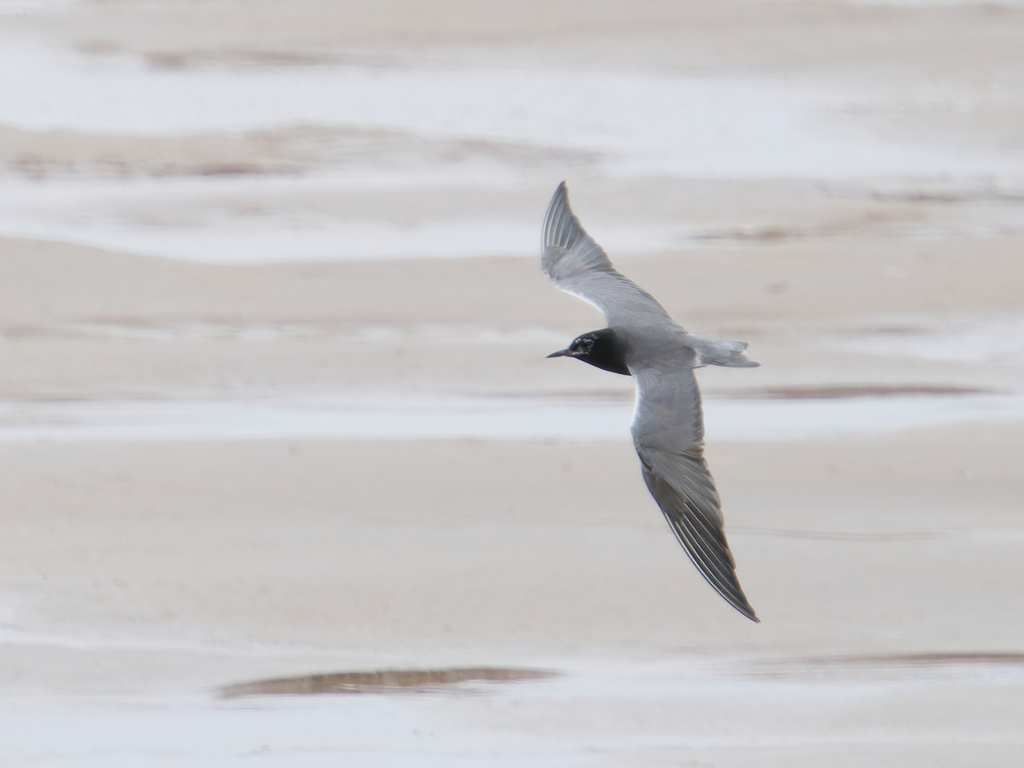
(668, 426)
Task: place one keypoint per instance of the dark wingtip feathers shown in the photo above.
(702, 540)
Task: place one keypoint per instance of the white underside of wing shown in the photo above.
(583, 297)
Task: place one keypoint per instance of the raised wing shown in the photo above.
(578, 265)
(668, 432)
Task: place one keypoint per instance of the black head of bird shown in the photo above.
(599, 348)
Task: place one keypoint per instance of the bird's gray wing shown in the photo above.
(668, 431)
(578, 265)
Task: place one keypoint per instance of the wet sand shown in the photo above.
(275, 416)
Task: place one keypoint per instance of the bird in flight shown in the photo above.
(642, 341)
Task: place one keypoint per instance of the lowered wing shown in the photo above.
(668, 432)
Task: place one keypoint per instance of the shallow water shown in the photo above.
(482, 418)
(627, 123)
(723, 711)
(643, 120)
(998, 340)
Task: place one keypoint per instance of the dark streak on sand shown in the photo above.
(888, 663)
(810, 392)
(849, 391)
(381, 681)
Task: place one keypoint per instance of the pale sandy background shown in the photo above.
(274, 402)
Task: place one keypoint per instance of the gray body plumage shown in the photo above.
(668, 424)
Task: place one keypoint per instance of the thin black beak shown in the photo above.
(559, 353)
